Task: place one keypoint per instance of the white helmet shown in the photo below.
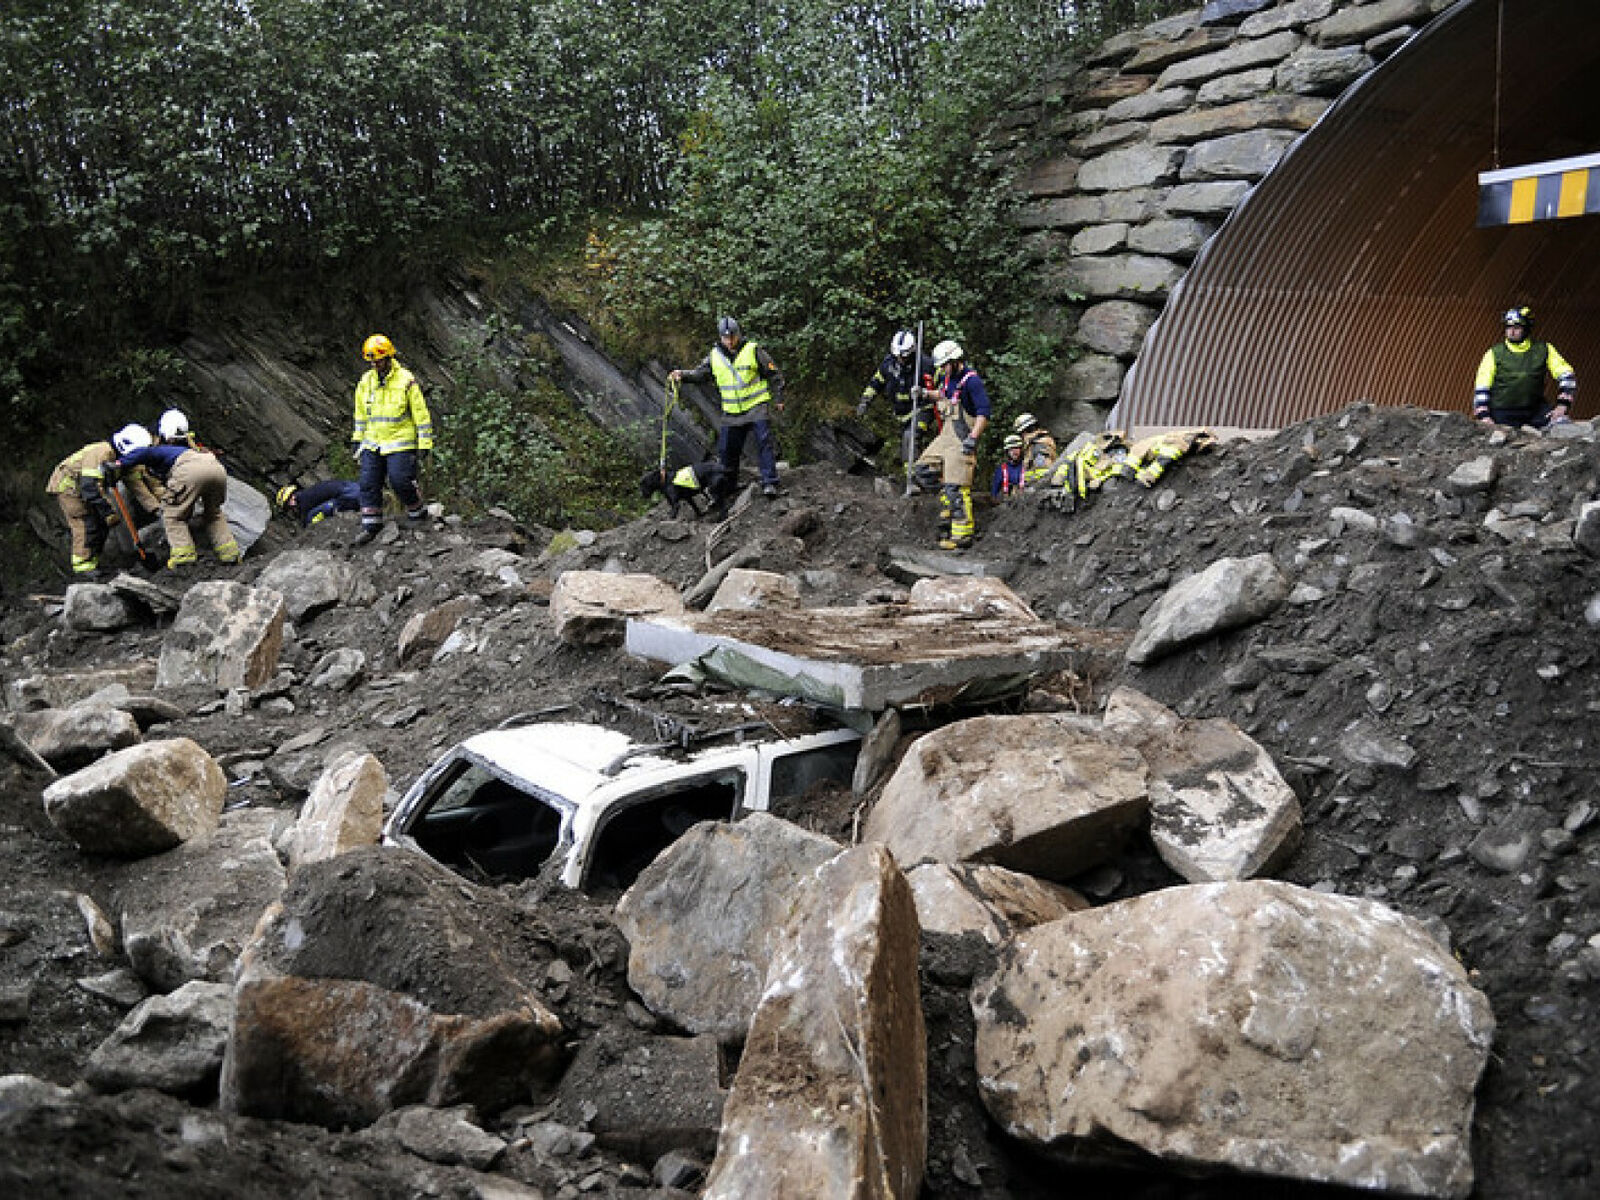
(904, 344)
(1024, 423)
(947, 352)
(172, 425)
(130, 437)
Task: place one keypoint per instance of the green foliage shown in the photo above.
(533, 453)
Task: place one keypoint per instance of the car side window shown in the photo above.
(481, 821)
(636, 830)
(797, 773)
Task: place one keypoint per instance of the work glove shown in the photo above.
(917, 394)
(969, 445)
(863, 405)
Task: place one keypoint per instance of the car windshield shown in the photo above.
(478, 820)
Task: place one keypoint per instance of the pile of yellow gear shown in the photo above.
(1109, 455)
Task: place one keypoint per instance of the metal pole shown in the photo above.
(911, 434)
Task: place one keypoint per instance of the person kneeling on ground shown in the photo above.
(319, 501)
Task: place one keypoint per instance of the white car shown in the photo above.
(507, 802)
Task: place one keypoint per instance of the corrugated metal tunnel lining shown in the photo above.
(1354, 271)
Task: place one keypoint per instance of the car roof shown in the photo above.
(567, 757)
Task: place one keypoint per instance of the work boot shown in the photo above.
(417, 518)
(366, 537)
(955, 543)
(769, 490)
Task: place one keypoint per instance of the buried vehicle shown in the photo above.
(595, 805)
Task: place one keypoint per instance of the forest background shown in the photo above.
(813, 166)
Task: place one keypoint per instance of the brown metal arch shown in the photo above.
(1354, 271)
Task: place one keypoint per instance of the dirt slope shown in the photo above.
(1426, 691)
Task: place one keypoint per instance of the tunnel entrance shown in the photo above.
(1355, 270)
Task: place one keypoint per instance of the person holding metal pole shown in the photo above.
(899, 378)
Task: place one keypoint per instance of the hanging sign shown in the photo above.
(1565, 187)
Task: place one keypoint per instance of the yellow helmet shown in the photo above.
(377, 346)
(285, 494)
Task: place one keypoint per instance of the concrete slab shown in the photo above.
(874, 657)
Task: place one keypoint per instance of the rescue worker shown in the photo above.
(319, 501)
(191, 482)
(1009, 476)
(750, 386)
(963, 409)
(1039, 451)
(1509, 389)
(82, 484)
(172, 427)
(393, 436)
(900, 377)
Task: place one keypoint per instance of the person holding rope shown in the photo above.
(751, 386)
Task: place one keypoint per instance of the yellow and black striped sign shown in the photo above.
(1567, 187)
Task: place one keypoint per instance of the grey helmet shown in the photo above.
(727, 327)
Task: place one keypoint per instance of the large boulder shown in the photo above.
(226, 635)
(187, 914)
(831, 1094)
(72, 738)
(382, 980)
(1229, 593)
(171, 1043)
(1258, 1026)
(693, 956)
(1219, 809)
(1046, 795)
(591, 608)
(141, 800)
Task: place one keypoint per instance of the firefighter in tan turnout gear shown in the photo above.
(83, 483)
(952, 460)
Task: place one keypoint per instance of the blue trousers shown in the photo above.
(399, 469)
(730, 447)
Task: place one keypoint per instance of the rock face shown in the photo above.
(1239, 1024)
(141, 800)
(1125, 169)
(1049, 796)
(830, 1098)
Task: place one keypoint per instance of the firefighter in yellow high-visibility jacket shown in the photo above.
(393, 436)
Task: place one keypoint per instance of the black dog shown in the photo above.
(688, 485)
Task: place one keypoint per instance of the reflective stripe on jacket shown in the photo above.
(739, 381)
(391, 414)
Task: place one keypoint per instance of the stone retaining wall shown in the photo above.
(1126, 164)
